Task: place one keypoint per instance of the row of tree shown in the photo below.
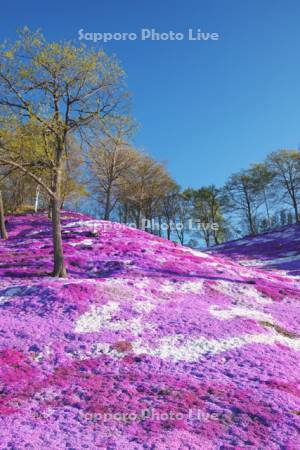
(267, 194)
(258, 199)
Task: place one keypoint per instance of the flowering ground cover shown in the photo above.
(278, 249)
(147, 344)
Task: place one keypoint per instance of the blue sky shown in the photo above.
(206, 108)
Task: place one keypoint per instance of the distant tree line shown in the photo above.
(254, 200)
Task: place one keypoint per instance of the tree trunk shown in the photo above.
(3, 232)
(169, 231)
(216, 238)
(252, 229)
(107, 205)
(59, 264)
(138, 219)
(50, 199)
(250, 219)
(267, 208)
(50, 209)
(36, 205)
(295, 205)
(126, 214)
(249, 216)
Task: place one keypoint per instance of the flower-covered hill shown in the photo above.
(147, 345)
(279, 249)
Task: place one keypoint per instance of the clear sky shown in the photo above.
(206, 108)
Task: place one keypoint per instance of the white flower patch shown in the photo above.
(144, 306)
(184, 286)
(113, 282)
(84, 242)
(251, 262)
(142, 284)
(236, 311)
(191, 286)
(133, 325)
(196, 252)
(214, 264)
(290, 257)
(33, 233)
(168, 287)
(171, 347)
(83, 223)
(75, 281)
(100, 317)
(96, 318)
(116, 288)
(241, 293)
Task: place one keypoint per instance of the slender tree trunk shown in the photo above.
(148, 228)
(250, 219)
(252, 229)
(107, 205)
(216, 238)
(3, 232)
(151, 225)
(169, 230)
(180, 234)
(249, 216)
(36, 205)
(59, 264)
(267, 207)
(207, 240)
(295, 205)
(126, 214)
(159, 226)
(50, 209)
(138, 219)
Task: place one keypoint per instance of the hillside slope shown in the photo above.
(147, 345)
(279, 249)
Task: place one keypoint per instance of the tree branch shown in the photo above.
(30, 174)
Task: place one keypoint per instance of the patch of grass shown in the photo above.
(279, 329)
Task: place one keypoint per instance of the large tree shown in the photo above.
(262, 178)
(207, 210)
(170, 206)
(183, 214)
(63, 89)
(110, 159)
(241, 194)
(142, 189)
